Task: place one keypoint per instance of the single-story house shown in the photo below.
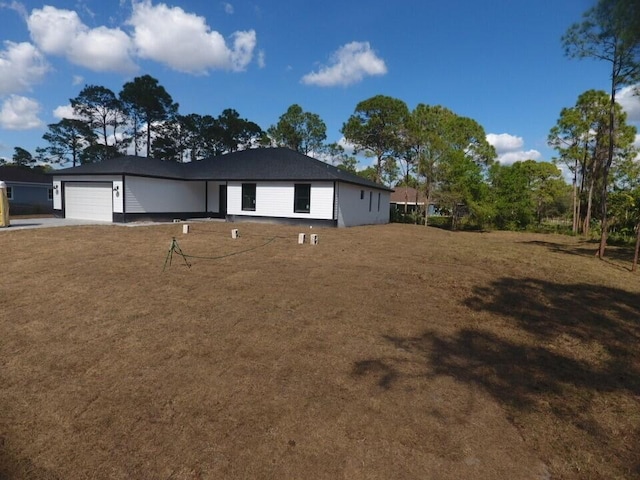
(274, 184)
(28, 190)
(407, 200)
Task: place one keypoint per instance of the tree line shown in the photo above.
(592, 138)
(142, 119)
(443, 155)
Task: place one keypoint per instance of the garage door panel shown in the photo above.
(89, 201)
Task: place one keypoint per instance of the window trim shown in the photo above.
(370, 200)
(379, 194)
(9, 192)
(250, 197)
(297, 187)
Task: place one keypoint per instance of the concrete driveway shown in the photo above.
(46, 222)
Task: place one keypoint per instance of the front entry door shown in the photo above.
(223, 200)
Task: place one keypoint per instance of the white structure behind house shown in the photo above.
(358, 205)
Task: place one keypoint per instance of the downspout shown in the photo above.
(206, 197)
(336, 203)
(335, 193)
(62, 199)
(124, 201)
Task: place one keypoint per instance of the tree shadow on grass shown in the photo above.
(588, 249)
(608, 315)
(552, 350)
(12, 468)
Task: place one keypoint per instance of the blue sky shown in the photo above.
(499, 62)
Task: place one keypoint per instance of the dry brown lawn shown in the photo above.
(383, 352)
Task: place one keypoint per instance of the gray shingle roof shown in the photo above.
(260, 164)
(129, 165)
(14, 173)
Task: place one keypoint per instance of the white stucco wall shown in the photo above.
(275, 199)
(116, 181)
(358, 205)
(156, 195)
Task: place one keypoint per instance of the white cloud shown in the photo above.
(262, 62)
(504, 142)
(243, 46)
(630, 102)
(509, 148)
(228, 8)
(509, 158)
(349, 148)
(54, 30)
(21, 65)
(185, 42)
(64, 111)
(16, 6)
(103, 49)
(19, 113)
(77, 80)
(61, 32)
(567, 174)
(348, 65)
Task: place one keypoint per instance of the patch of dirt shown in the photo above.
(392, 351)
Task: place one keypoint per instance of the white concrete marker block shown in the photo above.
(185, 228)
(314, 239)
(301, 238)
(234, 233)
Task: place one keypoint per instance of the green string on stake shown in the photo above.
(178, 251)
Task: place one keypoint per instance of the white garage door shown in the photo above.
(88, 201)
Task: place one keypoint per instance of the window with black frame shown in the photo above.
(302, 198)
(249, 196)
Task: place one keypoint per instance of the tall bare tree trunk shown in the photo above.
(406, 201)
(634, 266)
(576, 212)
(583, 180)
(605, 172)
(587, 218)
(427, 202)
(578, 209)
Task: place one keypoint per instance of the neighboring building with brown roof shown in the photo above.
(407, 199)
